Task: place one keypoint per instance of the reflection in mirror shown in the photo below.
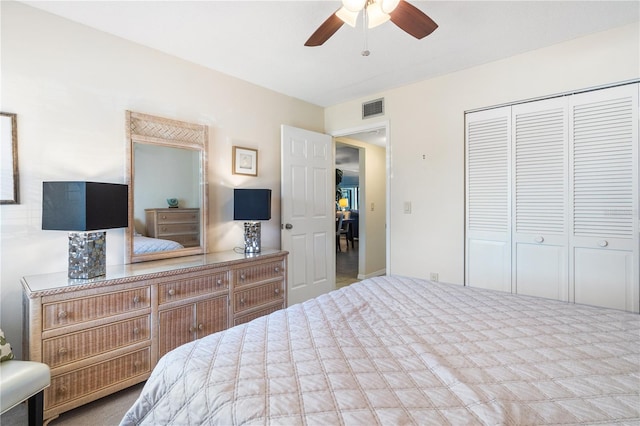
(167, 211)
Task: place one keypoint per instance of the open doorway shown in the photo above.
(347, 213)
(361, 201)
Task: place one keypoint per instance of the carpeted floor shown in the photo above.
(107, 411)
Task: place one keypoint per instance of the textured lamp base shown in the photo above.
(87, 254)
(252, 237)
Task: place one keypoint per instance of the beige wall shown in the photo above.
(427, 118)
(372, 222)
(70, 86)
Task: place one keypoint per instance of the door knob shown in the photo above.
(288, 226)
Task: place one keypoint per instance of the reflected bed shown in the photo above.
(144, 245)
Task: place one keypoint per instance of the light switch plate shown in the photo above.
(407, 207)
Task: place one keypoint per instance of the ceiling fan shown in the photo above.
(406, 16)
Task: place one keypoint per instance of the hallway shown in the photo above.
(346, 265)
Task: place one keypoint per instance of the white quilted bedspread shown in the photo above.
(396, 351)
(145, 245)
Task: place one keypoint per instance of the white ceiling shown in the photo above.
(263, 41)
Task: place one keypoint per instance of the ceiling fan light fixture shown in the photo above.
(375, 15)
(388, 6)
(347, 16)
(353, 5)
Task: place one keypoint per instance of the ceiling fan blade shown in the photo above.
(412, 20)
(325, 31)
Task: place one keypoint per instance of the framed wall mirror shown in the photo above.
(167, 188)
(8, 158)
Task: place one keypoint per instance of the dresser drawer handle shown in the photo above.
(164, 216)
(276, 269)
(243, 277)
(192, 329)
(219, 282)
(277, 290)
(171, 292)
(164, 228)
(136, 331)
(136, 299)
(603, 243)
(62, 389)
(539, 239)
(137, 364)
(62, 314)
(242, 301)
(200, 326)
(62, 351)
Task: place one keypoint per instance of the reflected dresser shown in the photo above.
(105, 334)
(179, 225)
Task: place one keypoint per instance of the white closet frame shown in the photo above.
(552, 198)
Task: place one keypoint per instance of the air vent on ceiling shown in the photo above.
(373, 108)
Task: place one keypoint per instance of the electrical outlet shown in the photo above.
(433, 276)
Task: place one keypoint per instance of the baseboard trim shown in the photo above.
(373, 274)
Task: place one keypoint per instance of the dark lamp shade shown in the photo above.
(84, 206)
(251, 204)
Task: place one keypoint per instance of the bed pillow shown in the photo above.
(5, 348)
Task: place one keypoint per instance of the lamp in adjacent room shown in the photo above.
(343, 203)
(79, 207)
(252, 205)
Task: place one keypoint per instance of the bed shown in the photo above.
(397, 350)
(144, 245)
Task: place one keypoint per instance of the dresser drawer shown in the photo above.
(74, 311)
(253, 274)
(256, 314)
(184, 289)
(76, 346)
(178, 228)
(259, 295)
(82, 382)
(178, 216)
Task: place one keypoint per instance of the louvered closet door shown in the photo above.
(488, 217)
(604, 191)
(540, 198)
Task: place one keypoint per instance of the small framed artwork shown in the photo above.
(245, 161)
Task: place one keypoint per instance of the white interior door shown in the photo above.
(308, 216)
(604, 238)
(488, 216)
(540, 191)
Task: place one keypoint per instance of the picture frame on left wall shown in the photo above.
(9, 193)
(245, 161)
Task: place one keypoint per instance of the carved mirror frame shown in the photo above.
(158, 131)
(9, 187)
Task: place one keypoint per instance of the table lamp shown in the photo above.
(343, 203)
(252, 205)
(85, 206)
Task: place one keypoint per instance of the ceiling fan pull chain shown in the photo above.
(365, 51)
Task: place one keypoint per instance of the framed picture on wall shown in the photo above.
(245, 161)
(8, 158)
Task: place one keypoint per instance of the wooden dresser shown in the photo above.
(105, 334)
(179, 225)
